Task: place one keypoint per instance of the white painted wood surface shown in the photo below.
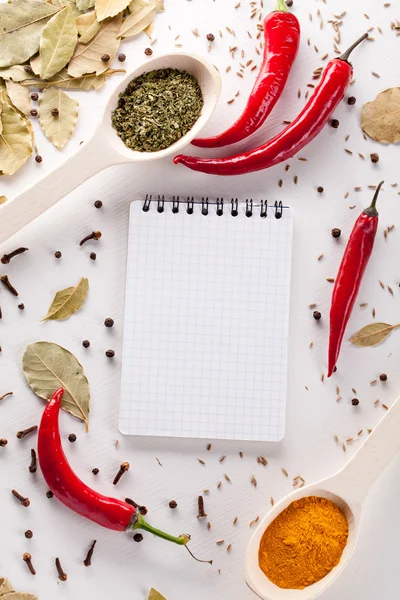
(120, 567)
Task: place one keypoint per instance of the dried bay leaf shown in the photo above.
(372, 335)
(57, 42)
(68, 301)
(19, 596)
(87, 58)
(90, 81)
(136, 5)
(109, 8)
(154, 595)
(380, 119)
(88, 26)
(19, 96)
(63, 3)
(58, 129)
(3, 200)
(137, 21)
(16, 139)
(35, 64)
(22, 23)
(15, 73)
(47, 367)
(84, 4)
(5, 586)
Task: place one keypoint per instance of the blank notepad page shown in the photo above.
(206, 323)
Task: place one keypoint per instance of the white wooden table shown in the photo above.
(122, 568)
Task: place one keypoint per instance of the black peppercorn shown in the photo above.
(34, 112)
(289, 3)
(72, 437)
(95, 471)
(355, 402)
(58, 254)
(121, 57)
(109, 322)
(351, 101)
(138, 537)
(383, 377)
(3, 442)
(28, 534)
(336, 232)
(86, 343)
(320, 189)
(172, 504)
(317, 315)
(38, 158)
(21, 306)
(49, 494)
(148, 51)
(374, 157)
(28, 69)
(93, 255)
(98, 204)
(334, 123)
(55, 112)
(35, 97)
(105, 57)
(110, 353)
(210, 37)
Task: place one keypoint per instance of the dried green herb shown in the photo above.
(157, 109)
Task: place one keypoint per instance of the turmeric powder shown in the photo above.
(304, 543)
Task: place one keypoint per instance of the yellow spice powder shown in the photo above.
(304, 543)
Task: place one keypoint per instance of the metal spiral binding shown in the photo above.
(278, 206)
(234, 209)
(175, 204)
(189, 207)
(278, 210)
(249, 208)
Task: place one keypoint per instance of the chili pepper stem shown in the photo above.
(280, 5)
(371, 210)
(346, 55)
(181, 540)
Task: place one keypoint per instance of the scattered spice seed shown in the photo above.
(221, 460)
(320, 257)
(390, 290)
(227, 478)
(6, 282)
(208, 525)
(24, 501)
(235, 520)
(93, 256)
(355, 402)
(253, 481)
(149, 51)
(336, 232)
(376, 75)
(210, 37)
(110, 353)
(385, 407)
(285, 472)
(72, 438)
(49, 494)
(109, 322)
(344, 447)
(3, 442)
(105, 57)
(6, 258)
(219, 542)
(354, 391)
(38, 158)
(229, 546)
(330, 279)
(34, 112)
(55, 112)
(28, 534)
(95, 235)
(22, 434)
(172, 504)
(383, 377)
(33, 465)
(88, 560)
(202, 513)
(335, 123)
(123, 469)
(5, 395)
(201, 461)
(86, 343)
(57, 254)
(28, 559)
(138, 537)
(351, 101)
(296, 179)
(98, 204)
(317, 315)
(34, 97)
(209, 446)
(62, 576)
(121, 57)
(374, 157)
(373, 382)
(320, 189)
(241, 454)
(95, 471)
(373, 312)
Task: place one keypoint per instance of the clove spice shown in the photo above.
(5, 395)
(33, 465)
(5, 259)
(28, 559)
(123, 468)
(24, 501)
(4, 279)
(88, 560)
(141, 509)
(95, 235)
(201, 514)
(62, 576)
(25, 432)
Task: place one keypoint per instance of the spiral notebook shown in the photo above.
(206, 319)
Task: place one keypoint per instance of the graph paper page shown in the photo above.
(206, 324)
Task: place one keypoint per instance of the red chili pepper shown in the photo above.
(351, 271)
(295, 136)
(71, 491)
(282, 37)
